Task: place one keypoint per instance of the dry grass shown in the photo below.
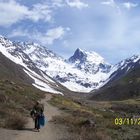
(15, 121)
(81, 121)
(79, 129)
(16, 100)
(102, 115)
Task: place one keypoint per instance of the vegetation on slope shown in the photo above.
(16, 100)
(96, 120)
(127, 87)
(17, 95)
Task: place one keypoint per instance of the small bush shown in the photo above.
(15, 121)
(2, 98)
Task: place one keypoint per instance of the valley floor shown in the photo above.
(51, 131)
(78, 119)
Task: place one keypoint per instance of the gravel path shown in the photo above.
(51, 131)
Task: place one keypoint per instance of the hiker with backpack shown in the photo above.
(37, 115)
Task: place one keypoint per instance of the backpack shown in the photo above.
(42, 120)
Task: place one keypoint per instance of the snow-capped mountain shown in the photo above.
(89, 62)
(123, 67)
(94, 70)
(123, 83)
(15, 52)
(83, 71)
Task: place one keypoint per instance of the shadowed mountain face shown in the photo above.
(11, 71)
(79, 55)
(124, 67)
(126, 87)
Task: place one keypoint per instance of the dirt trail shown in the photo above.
(51, 131)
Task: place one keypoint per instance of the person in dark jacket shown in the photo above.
(36, 113)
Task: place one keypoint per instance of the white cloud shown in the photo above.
(76, 3)
(71, 3)
(19, 32)
(57, 3)
(12, 12)
(46, 38)
(40, 12)
(129, 5)
(53, 34)
(109, 2)
(113, 4)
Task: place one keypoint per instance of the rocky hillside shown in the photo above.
(123, 83)
(39, 78)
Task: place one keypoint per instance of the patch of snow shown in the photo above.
(41, 84)
(76, 87)
(135, 58)
(12, 58)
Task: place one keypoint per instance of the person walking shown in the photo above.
(36, 114)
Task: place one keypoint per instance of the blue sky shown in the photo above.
(108, 27)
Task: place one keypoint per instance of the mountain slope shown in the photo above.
(124, 83)
(124, 67)
(11, 71)
(82, 72)
(17, 95)
(63, 71)
(40, 79)
(89, 62)
(89, 74)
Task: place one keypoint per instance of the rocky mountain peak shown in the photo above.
(79, 55)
